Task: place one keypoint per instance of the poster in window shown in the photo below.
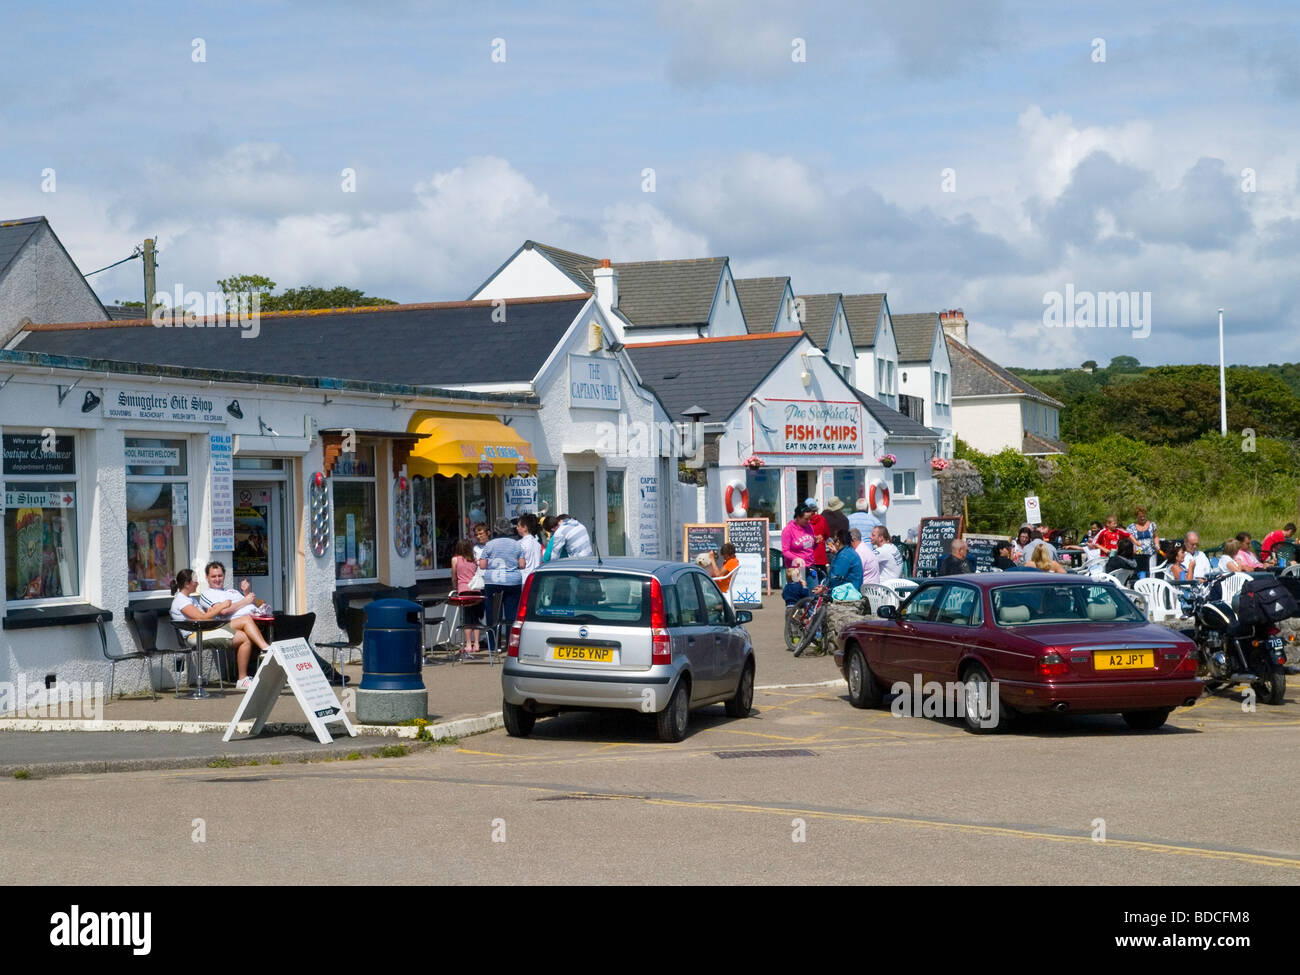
(251, 556)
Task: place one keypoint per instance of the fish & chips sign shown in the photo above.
(807, 427)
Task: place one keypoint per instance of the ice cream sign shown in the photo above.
(807, 427)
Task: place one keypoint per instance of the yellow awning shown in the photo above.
(451, 444)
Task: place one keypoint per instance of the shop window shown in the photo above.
(850, 483)
(546, 492)
(478, 503)
(446, 518)
(904, 484)
(423, 527)
(157, 512)
(614, 508)
(764, 487)
(355, 535)
(259, 464)
(40, 483)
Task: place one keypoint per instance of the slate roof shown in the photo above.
(668, 292)
(760, 299)
(14, 235)
(914, 335)
(577, 267)
(975, 374)
(436, 344)
(863, 312)
(1033, 445)
(120, 313)
(715, 374)
(895, 424)
(819, 316)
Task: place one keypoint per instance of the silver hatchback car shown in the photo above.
(632, 634)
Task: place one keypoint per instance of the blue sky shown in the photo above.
(1122, 174)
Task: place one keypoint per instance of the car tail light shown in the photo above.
(1052, 664)
(517, 627)
(1188, 665)
(661, 644)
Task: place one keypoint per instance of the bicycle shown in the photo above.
(805, 623)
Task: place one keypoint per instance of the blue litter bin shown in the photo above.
(390, 648)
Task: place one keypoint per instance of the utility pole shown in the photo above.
(1223, 395)
(150, 266)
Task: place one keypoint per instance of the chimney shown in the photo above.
(606, 285)
(954, 324)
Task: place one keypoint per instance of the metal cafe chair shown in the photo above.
(144, 654)
(352, 620)
(489, 633)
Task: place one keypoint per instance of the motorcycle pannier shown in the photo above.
(1217, 616)
(1264, 600)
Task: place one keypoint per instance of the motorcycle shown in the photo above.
(1238, 641)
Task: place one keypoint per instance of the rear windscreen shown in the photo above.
(589, 597)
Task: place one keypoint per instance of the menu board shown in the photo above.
(979, 551)
(750, 536)
(700, 538)
(223, 492)
(932, 541)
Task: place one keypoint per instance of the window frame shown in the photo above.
(373, 480)
(894, 489)
(79, 548)
(186, 442)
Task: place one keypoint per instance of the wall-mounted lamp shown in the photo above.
(805, 377)
(90, 402)
(813, 353)
(234, 410)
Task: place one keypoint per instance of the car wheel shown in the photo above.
(740, 705)
(978, 690)
(864, 692)
(518, 722)
(1146, 720)
(1271, 689)
(672, 720)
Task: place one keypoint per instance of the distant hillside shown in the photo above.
(1171, 405)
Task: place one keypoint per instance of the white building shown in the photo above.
(769, 304)
(992, 409)
(875, 348)
(825, 322)
(648, 301)
(925, 374)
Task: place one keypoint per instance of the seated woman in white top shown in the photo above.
(246, 633)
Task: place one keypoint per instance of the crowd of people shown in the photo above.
(495, 563)
(831, 549)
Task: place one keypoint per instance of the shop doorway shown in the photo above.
(259, 541)
(805, 486)
(582, 499)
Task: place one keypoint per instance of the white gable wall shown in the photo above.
(725, 318)
(527, 275)
(989, 423)
(839, 347)
(44, 284)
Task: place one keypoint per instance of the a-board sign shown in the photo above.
(979, 550)
(291, 662)
(700, 538)
(932, 541)
(750, 536)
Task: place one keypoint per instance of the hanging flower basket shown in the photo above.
(753, 463)
(887, 460)
(939, 464)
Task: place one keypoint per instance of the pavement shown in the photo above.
(464, 699)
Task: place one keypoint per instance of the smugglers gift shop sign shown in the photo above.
(139, 404)
(787, 426)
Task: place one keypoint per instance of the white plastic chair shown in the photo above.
(1232, 585)
(731, 599)
(879, 595)
(1160, 571)
(1162, 599)
(900, 586)
(1290, 570)
(1111, 577)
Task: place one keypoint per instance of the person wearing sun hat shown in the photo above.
(836, 520)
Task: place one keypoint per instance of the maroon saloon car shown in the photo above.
(1031, 641)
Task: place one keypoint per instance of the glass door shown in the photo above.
(259, 542)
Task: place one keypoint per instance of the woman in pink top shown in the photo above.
(1246, 556)
(797, 540)
(463, 567)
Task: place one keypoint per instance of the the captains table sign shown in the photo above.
(293, 662)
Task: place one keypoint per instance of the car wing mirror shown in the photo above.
(887, 612)
(744, 616)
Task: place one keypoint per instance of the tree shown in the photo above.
(297, 299)
(1090, 365)
(1124, 363)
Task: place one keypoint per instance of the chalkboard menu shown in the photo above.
(700, 538)
(750, 536)
(979, 551)
(932, 541)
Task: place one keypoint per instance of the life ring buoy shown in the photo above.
(878, 496)
(734, 510)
